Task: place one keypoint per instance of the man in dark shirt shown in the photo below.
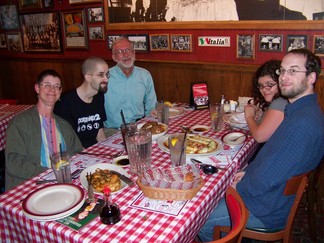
(83, 107)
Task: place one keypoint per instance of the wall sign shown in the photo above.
(224, 41)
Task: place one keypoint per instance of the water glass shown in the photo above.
(124, 128)
(139, 147)
(159, 110)
(165, 115)
(215, 116)
(60, 163)
(177, 146)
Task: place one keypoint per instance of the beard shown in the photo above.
(295, 91)
(103, 87)
(129, 64)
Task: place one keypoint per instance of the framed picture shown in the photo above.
(95, 15)
(96, 33)
(71, 2)
(111, 39)
(75, 34)
(318, 16)
(296, 42)
(318, 45)
(27, 4)
(48, 3)
(271, 43)
(9, 17)
(245, 46)
(46, 37)
(159, 42)
(181, 43)
(14, 42)
(140, 42)
(3, 43)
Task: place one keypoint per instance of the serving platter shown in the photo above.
(53, 202)
(173, 112)
(163, 145)
(103, 166)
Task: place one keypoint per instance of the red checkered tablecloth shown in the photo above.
(136, 225)
(7, 112)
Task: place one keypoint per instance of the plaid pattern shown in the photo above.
(136, 225)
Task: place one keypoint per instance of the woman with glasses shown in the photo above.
(268, 99)
(35, 134)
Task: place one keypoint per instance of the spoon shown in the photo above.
(235, 139)
(207, 169)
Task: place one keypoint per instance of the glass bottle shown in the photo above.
(221, 114)
(110, 213)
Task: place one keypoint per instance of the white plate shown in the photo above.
(161, 143)
(233, 135)
(93, 168)
(235, 119)
(173, 112)
(53, 202)
(199, 129)
(155, 136)
(116, 160)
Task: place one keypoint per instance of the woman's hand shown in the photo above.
(250, 111)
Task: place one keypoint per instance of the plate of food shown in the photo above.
(173, 112)
(197, 145)
(236, 119)
(102, 175)
(234, 138)
(157, 129)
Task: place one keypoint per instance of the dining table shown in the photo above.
(142, 219)
(7, 112)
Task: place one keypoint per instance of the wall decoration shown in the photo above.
(318, 45)
(3, 43)
(111, 39)
(296, 42)
(46, 37)
(181, 43)
(140, 42)
(14, 42)
(245, 46)
(95, 15)
(271, 43)
(222, 41)
(75, 34)
(9, 17)
(159, 42)
(71, 2)
(96, 33)
(318, 16)
(27, 4)
(48, 3)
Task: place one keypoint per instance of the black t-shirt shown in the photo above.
(85, 118)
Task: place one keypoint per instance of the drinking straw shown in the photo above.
(123, 117)
(61, 152)
(183, 148)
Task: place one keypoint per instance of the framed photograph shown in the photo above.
(9, 17)
(181, 43)
(95, 15)
(3, 43)
(140, 42)
(71, 2)
(271, 43)
(96, 33)
(111, 39)
(159, 42)
(245, 46)
(14, 42)
(318, 45)
(318, 16)
(27, 4)
(74, 28)
(296, 42)
(46, 37)
(48, 3)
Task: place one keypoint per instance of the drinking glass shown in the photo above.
(215, 116)
(139, 147)
(177, 146)
(60, 163)
(159, 110)
(124, 128)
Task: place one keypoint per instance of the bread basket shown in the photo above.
(169, 194)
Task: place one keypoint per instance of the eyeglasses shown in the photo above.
(101, 75)
(290, 72)
(267, 86)
(49, 86)
(125, 51)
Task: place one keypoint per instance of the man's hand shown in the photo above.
(237, 178)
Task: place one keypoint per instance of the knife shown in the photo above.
(123, 177)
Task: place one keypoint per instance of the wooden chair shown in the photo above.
(295, 185)
(9, 101)
(239, 216)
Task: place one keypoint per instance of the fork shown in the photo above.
(103, 154)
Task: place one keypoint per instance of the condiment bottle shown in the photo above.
(110, 213)
(221, 114)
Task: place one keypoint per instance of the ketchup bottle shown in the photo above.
(110, 213)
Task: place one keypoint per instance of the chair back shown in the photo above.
(10, 102)
(238, 214)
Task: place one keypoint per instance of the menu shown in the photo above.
(199, 96)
